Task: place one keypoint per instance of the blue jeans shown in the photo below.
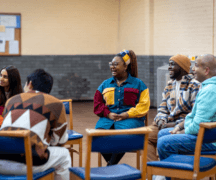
(164, 132)
(178, 144)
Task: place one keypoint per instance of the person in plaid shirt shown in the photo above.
(178, 99)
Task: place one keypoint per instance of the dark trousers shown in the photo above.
(113, 158)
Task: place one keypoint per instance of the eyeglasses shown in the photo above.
(113, 64)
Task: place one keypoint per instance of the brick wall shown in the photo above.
(79, 76)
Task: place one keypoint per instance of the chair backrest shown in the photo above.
(12, 145)
(17, 142)
(207, 134)
(68, 109)
(117, 141)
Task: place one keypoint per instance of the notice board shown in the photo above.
(10, 34)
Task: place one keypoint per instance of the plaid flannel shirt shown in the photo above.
(168, 111)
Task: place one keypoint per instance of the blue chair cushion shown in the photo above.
(117, 172)
(73, 135)
(184, 162)
(23, 177)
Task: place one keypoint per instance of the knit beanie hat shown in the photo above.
(183, 61)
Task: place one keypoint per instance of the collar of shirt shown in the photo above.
(184, 79)
(128, 80)
(187, 77)
(35, 91)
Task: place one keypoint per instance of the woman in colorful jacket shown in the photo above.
(121, 101)
(10, 85)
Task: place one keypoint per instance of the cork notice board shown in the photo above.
(10, 34)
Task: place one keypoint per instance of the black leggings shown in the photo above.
(112, 158)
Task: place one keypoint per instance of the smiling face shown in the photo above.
(199, 70)
(118, 67)
(174, 70)
(4, 81)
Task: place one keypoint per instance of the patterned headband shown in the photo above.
(125, 56)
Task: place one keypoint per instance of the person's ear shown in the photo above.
(30, 86)
(207, 70)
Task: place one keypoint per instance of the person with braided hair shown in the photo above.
(123, 100)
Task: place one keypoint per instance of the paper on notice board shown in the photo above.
(13, 47)
(9, 34)
(2, 44)
(8, 20)
(2, 28)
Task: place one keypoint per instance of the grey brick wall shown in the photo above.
(147, 69)
(79, 76)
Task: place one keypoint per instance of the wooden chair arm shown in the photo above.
(17, 133)
(66, 100)
(97, 132)
(208, 125)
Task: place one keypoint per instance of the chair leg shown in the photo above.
(138, 160)
(99, 160)
(149, 176)
(71, 153)
(211, 178)
(80, 153)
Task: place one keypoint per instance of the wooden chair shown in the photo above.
(73, 136)
(138, 153)
(18, 142)
(113, 141)
(187, 166)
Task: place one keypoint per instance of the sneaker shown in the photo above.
(159, 177)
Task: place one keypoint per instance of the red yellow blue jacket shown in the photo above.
(132, 96)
